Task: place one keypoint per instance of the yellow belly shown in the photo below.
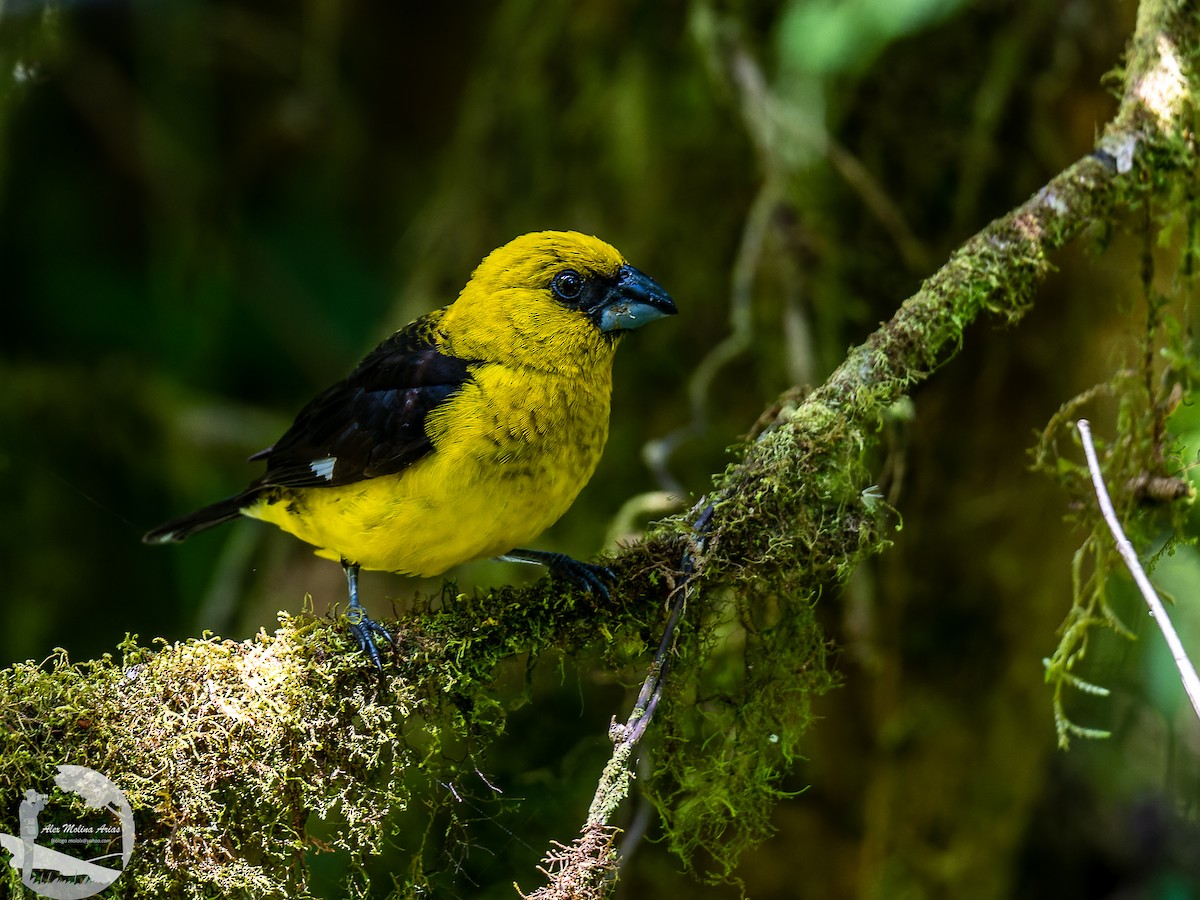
(503, 469)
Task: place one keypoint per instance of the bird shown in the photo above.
(465, 434)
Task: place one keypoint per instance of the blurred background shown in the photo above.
(210, 210)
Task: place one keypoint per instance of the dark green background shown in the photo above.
(209, 211)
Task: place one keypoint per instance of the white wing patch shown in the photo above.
(323, 468)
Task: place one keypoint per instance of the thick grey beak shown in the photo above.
(632, 301)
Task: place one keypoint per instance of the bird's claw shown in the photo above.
(361, 625)
(586, 576)
(365, 630)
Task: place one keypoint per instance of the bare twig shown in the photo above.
(1187, 672)
(563, 865)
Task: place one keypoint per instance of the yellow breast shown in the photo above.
(511, 452)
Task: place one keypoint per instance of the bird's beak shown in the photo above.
(632, 301)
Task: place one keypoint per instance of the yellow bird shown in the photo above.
(466, 433)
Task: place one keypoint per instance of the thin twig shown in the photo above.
(1187, 672)
(615, 780)
(581, 870)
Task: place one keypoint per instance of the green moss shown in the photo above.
(223, 749)
(790, 521)
(231, 752)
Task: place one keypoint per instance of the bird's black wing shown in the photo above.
(372, 422)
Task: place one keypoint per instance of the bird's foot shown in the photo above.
(585, 576)
(365, 630)
(361, 625)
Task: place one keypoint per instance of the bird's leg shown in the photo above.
(361, 626)
(586, 576)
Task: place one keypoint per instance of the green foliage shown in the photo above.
(827, 37)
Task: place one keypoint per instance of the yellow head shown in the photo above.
(553, 300)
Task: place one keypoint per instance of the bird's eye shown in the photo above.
(567, 285)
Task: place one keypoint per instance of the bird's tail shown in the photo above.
(214, 514)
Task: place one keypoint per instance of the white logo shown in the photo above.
(50, 872)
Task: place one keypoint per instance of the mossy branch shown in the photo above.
(226, 750)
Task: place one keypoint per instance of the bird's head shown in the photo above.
(552, 299)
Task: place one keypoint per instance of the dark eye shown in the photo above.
(567, 285)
